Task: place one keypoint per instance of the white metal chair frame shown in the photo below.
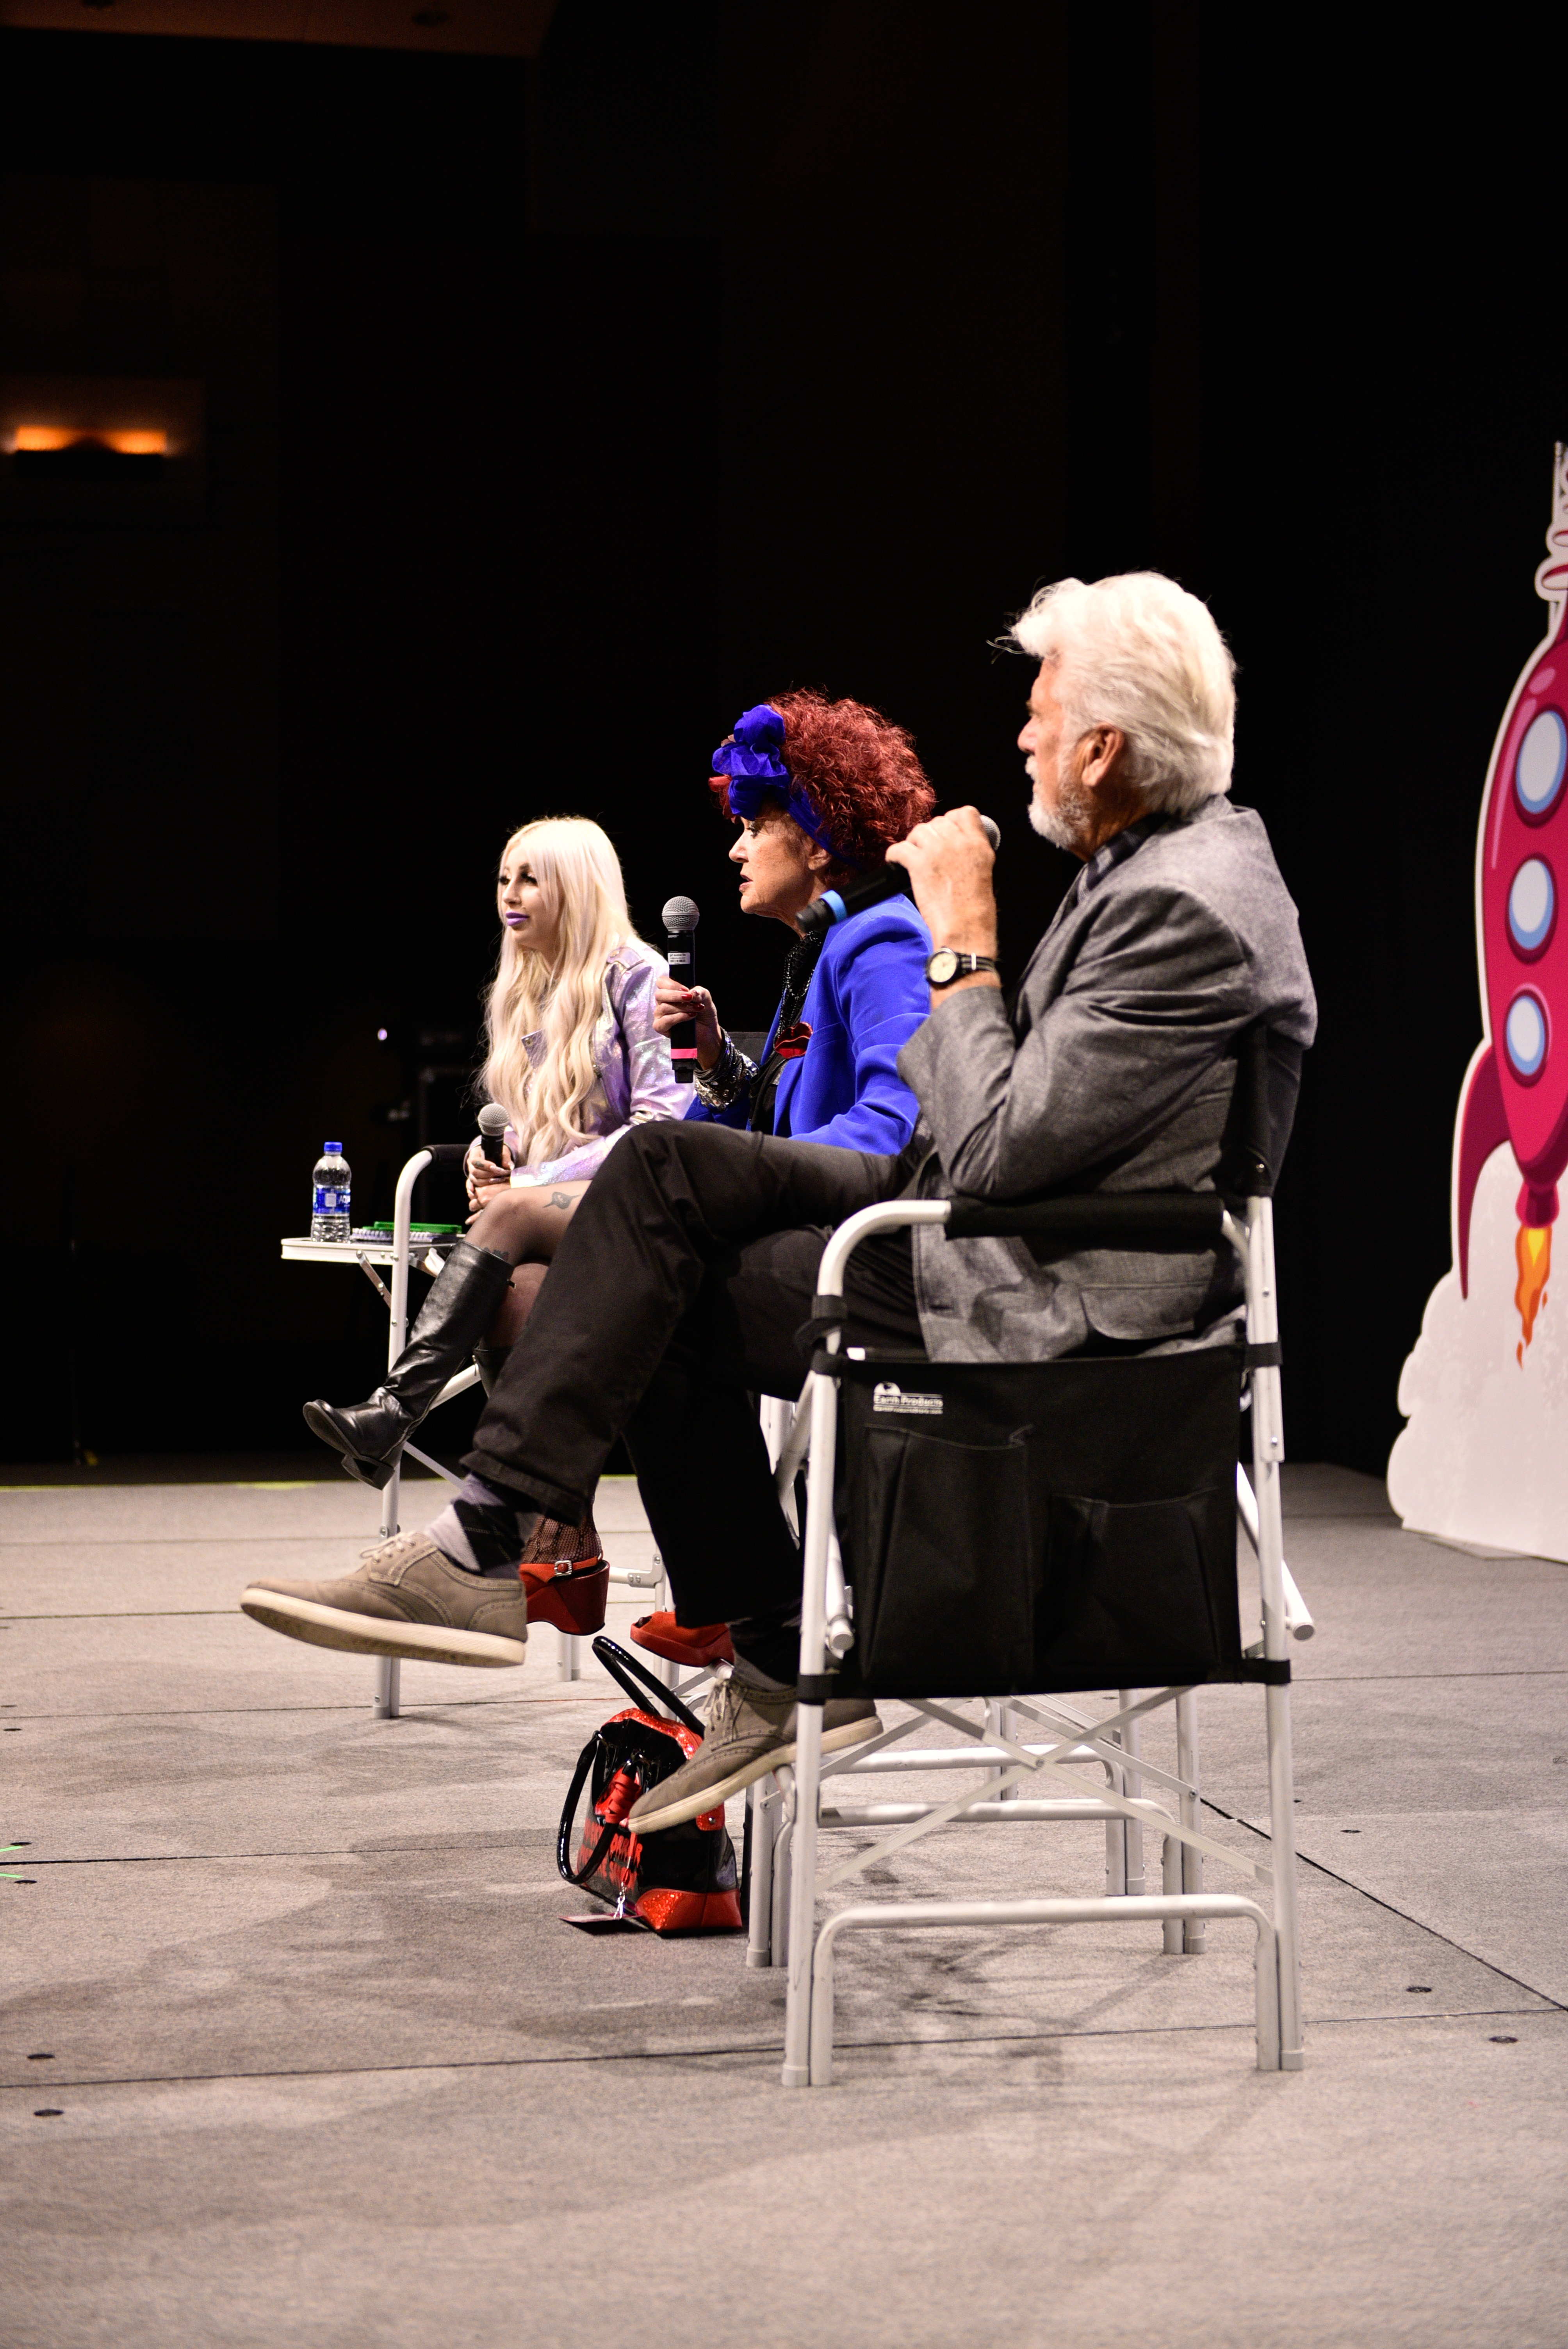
(788, 1814)
(398, 1256)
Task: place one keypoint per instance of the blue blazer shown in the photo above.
(868, 995)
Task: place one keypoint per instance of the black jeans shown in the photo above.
(674, 1298)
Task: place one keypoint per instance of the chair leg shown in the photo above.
(761, 1818)
(1170, 1883)
(1268, 1451)
(782, 1838)
(387, 1703)
(668, 1671)
(1115, 1837)
(1000, 1725)
(1115, 1858)
(1191, 1807)
(388, 1688)
(1281, 1822)
(803, 1896)
(797, 2066)
(1133, 1789)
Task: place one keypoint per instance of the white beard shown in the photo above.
(1065, 824)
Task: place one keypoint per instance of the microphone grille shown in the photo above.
(993, 832)
(493, 1119)
(680, 914)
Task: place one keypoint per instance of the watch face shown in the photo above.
(943, 967)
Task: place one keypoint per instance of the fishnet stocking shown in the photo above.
(553, 1541)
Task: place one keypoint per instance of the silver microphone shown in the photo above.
(680, 920)
(493, 1124)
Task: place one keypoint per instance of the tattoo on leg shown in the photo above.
(562, 1199)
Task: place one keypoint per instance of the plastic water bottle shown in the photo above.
(329, 1212)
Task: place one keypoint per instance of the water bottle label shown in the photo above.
(329, 1202)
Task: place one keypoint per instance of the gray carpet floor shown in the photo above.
(296, 2051)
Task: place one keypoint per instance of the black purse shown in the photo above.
(680, 1880)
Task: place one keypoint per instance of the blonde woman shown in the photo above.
(575, 1059)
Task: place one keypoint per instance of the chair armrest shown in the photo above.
(1126, 1219)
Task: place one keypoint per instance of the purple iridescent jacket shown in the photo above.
(636, 1078)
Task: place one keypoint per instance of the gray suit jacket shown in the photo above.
(1114, 1073)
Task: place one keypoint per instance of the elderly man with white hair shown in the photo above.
(1115, 1068)
(691, 1262)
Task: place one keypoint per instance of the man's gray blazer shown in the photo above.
(1114, 1073)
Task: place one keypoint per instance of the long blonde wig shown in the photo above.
(580, 882)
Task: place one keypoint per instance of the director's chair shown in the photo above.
(982, 1540)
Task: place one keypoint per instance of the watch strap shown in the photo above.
(966, 964)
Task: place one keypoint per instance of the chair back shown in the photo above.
(1016, 1527)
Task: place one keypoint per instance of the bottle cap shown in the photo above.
(332, 1149)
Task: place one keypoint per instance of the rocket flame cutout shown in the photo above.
(1516, 1087)
(1532, 1254)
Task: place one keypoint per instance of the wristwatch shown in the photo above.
(947, 964)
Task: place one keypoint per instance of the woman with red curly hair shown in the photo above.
(821, 790)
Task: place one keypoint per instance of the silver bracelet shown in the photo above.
(731, 1075)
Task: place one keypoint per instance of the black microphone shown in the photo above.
(493, 1124)
(888, 881)
(680, 920)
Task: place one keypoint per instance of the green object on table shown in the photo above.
(421, 1231)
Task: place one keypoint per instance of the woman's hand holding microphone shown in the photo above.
(482, 1177)
(674, 1004)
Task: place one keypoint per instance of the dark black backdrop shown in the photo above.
(556, 413)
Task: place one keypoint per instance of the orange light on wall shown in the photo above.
(73, 447)
(37, 439)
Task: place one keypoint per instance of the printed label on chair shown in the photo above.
(888, 1397)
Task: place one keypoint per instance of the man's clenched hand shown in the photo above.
(949, 862)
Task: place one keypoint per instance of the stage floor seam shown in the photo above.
(772, 2049)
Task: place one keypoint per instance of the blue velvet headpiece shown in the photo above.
(753, 761)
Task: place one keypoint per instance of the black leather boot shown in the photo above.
(455, 1316)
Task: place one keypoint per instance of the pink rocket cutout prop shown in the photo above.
(1516, 1090)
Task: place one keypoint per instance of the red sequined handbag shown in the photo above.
(680, 1880)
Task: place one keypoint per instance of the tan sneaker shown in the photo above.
(750, 1731)
(404, 1599)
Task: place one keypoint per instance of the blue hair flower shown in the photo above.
(753, 759)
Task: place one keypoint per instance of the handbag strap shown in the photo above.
(596, 1744)
(585, 1762)
(619, 1664)
(590, 1866)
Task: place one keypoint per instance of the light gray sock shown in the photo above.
(486, 1529)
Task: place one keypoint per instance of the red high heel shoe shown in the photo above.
(572, 1595)
(679, 1644)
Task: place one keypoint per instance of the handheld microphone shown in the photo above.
(890, 881)
(493, 1124)
(680, 920)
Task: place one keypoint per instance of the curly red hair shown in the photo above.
(858, 769)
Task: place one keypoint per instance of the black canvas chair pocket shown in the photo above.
(1130, 1592)
(944, 1590)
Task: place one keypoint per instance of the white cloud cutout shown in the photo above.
(1484, 1458)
